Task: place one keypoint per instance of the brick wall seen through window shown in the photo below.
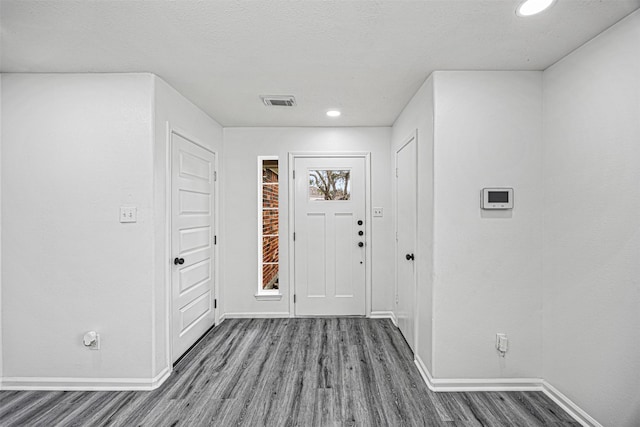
(270, 217)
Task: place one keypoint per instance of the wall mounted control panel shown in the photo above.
(497, 198)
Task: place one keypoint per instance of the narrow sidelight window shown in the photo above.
(268, 217)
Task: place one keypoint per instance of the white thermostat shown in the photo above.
(497, 198)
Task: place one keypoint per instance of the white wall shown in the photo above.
(418, 116)
(1, 231)
(77, 147)
(179, 113)
(242, 146)
(592, 225)
(487, 265)
(74, 149)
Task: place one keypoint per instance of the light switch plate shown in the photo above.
(377, 212)
(128, 214)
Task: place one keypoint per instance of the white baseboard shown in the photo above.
(263, 315)
(384, 315)
(506, 384)
(487, 384)
(85, 384)
(221, 318)
(424, 372)
(569, 406)
(161, 377)
(476, 384)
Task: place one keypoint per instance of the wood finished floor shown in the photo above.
(288, 372)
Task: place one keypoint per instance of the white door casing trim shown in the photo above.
(171, 130)
(416, 250)
(291, 220)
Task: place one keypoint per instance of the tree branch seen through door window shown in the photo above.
(329, 185)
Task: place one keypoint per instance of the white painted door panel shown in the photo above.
(192, 234)
(406, 240)
(329, 264)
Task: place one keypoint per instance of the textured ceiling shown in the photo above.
(366, 58)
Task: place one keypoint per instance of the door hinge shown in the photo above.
(215, 240)
(215, 303)
(294, 298)
(294, 236)
(294, 174)
(215, 175)
(396, 172)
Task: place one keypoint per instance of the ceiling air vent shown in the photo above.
(278, 101)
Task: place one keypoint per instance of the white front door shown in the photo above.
(406, 240)
(329, 238)
(192, 234)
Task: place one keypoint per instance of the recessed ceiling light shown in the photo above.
(333, 113)
(533, 7)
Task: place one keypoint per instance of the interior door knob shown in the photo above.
(177, 261)
(360, 233)
(360, 222)
(409, 257)
(360, 244)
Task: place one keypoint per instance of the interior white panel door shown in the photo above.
(192, 234)
(406, 216)
(329, 244)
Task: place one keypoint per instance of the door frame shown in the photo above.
(412, 137)
(366, 155)
(170, 131)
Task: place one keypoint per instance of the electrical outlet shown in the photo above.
(96, 345)
(91, 340)
(377, 212)
(502, 343)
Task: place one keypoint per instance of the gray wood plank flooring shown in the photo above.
(288, 372)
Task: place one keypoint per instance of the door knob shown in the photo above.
(177, 261)
(360, 222)
(360, 244)
(409, 257)
(360, 233)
